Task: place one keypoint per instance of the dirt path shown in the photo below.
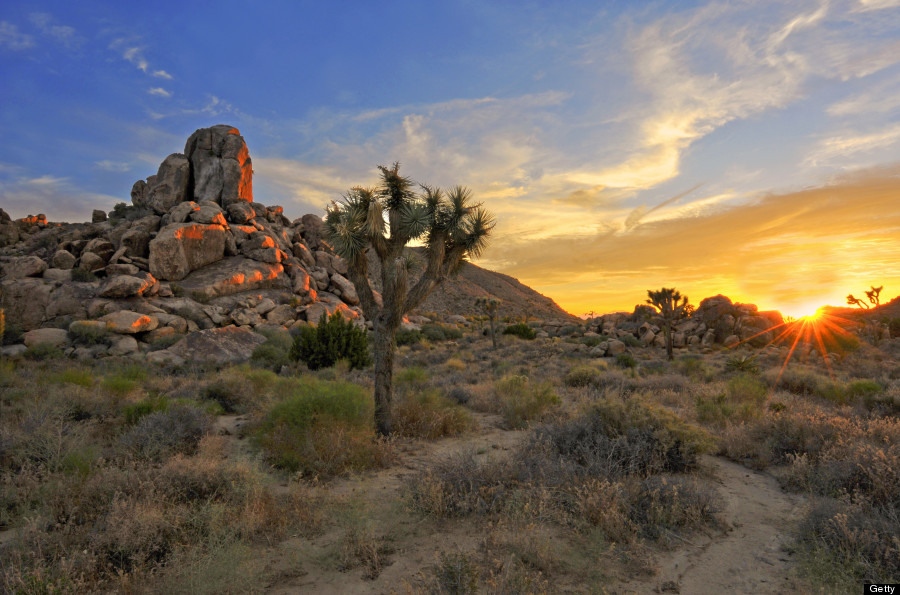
(749, 557)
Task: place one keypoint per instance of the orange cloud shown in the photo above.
(779, 251)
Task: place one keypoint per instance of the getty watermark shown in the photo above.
(892, 589)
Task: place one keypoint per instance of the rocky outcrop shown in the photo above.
(228, 344)
(221, 165)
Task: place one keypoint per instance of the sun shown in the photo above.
(808, 312)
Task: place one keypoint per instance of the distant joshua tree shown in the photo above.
(490, 305)
(672, 306)
(873, 295)
(385, 220)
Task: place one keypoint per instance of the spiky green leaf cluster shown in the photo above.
(395, 214)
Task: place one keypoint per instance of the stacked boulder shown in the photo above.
(715, 321)
(192, 252)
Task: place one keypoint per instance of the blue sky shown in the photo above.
(750, 148)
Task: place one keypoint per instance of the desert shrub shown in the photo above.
(691, 366)
(521, 330)
(275, 352)
(77, 376)
(80, 275)
(593, 341)
(407, 336)
(164, 433)
(12, 333)
(665, 503)
(324, 428)
(863, 388)
(459, 395)
(42, 352)
(614, 440)
(568, 330)
(742, 363)
(581, 376)
(720, 409)
(439, 332)
(455, 364)
(626, 360)
(630, 341)
(427, 414)
(744, 388)
(852, 544)
(455, 574)
(89, 335)
(165, 342)
(201, 297)
(134, 412)
(333, 339)
(808, 382)
(522, 401)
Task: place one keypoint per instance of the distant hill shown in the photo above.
(457, 294)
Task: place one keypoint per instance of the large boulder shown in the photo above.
(228, 344)
(123, 286)
(347, 289)
(234, 274)
(126, 322)
(181, 248)
(223, 171)
(24, 266)
(24, 302)
(171, 185)
(54, 337)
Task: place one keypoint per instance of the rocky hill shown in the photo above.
(195, 253)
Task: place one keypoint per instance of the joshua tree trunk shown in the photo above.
(384, 375)
(668, 327)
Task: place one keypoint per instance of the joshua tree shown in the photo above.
(873, 295)
(672, 306)
(490, 305)
(855, 301)
(384, 220)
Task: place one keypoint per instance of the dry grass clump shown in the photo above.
(598, 470)
(521, 401)
(121, 524)
(419, 410)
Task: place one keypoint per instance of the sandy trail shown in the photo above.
(749, 557)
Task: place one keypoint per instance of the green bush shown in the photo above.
(522, 401)
(746, 388)
(332, 340)
(406, 336)
(630, 341)
(521, 330)
(439, 332)
(582, 376)
(43, 351)
(134, 412)
(275, 352)
(322, 428)
(89, 334)
(626, 360)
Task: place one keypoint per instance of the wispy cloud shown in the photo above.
(159, 92)
(63, 34)
(132, 52)
(11, 38)
(705, 68)
(880, 98)
(113, 166)
(840, 147)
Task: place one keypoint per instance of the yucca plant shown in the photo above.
(384, 220)
(490, 305)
